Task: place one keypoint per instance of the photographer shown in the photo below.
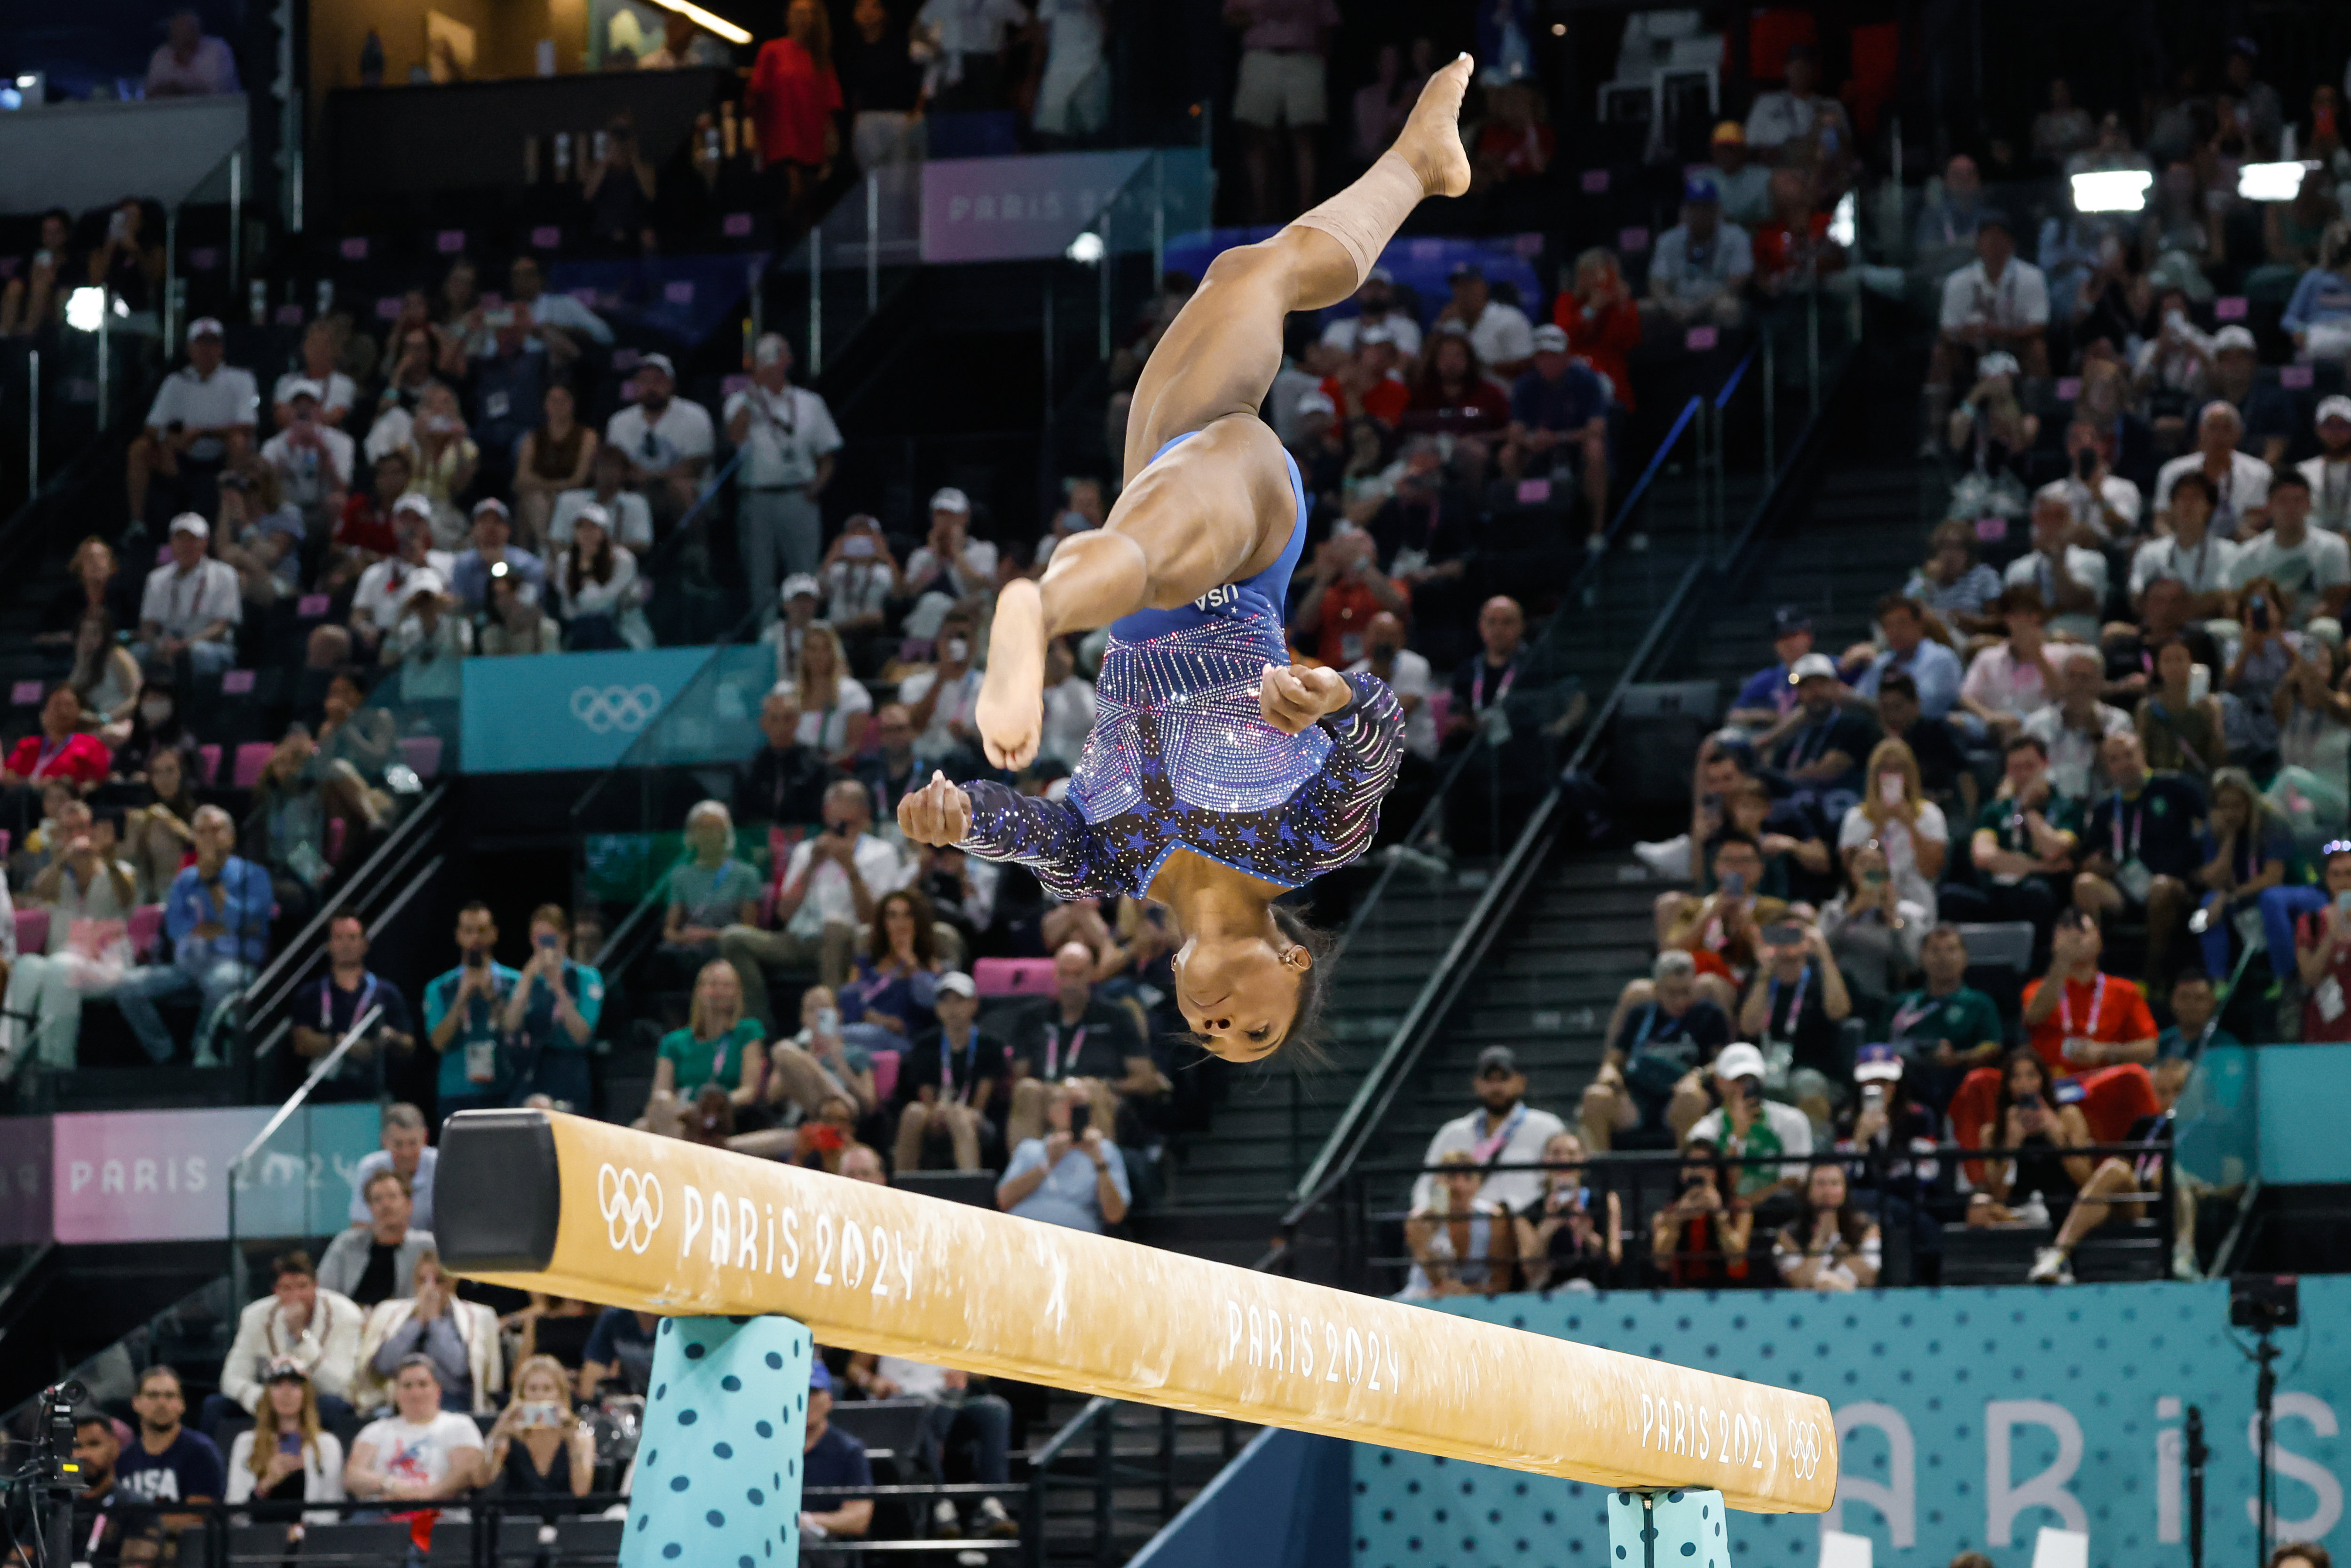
(1746, 1127)
(1566, 1240)
(1074, 1176)
(461, 1018)
(1699, 1240)
(537, 1447)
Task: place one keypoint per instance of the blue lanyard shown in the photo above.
(970, 1066)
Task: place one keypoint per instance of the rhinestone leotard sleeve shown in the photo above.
(1324, 824)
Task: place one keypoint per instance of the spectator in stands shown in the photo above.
(940, 702)
(90, 894)
(322, 1017)
(217, 918)
(628, 517)
(828, 888)
(1792, 249)
(552, 460)
(2246, 850)
(949, 1082)
(1947, 228)
(1405, 673)
(619, 190)
(377, 1261)
(2329, 472)
(2318, 317)
(557, 323)
(2265, 412)
(1745, 1126)
(32, 303)
(668, 441)
(192, 605)
(1873, 928)
(901, 954)
(2010, 679)
(859, 578)
(2029, 1118)
(263, 1467)
(388, 588)
(460, 1338)
(1559, 419)
(168, 1463)
(719, 1045)
(1076, 1035)
(1905, 648)
(1462, 1243)
(835, 706)
(299, 1325)
(598, 590)
(1769, 694)
(1742, 185)
(949, 565)
(1792, 1011)
(1566, 1240)
(427, 646)
(2142, 848)
(444, 457)
(551, 1016)
(1700, 1240)
(406, 1155)
(1596, 311)
(1817, 743)
(710, 892)
(882, 84)
(2238, 483)
(1795, 123)
(422, 1451)
(1375, 306)
(1505, 1137)
(471, 574)
(2076, 725)
(620, 1350)
(789, 632)
(461, 1017)
(2181, 732)
(2312, 566)
(2322, 952)
(157, 834)
(62, 748)
(1953, 583)
(833, 1466)
(1700, 269)
(1500, 332)
(113, 1533)
(1452, 393)
(1069, 705)
(1832, 1247)
(817, 1065)
(1344, 589)
(538, 1445)
(2025, 840)
(1895, 815)
(312, 459)
(1945, 1028)
(95, 579)
(190, 62)
(367, 531)
(1648, 1080)
(2077, 1017)
(788, 441)
(1083, 508)
(2203, 565)
(2070, 578)
(130, 264)
(1280, 90)
(1073, 1174)
(784, 781)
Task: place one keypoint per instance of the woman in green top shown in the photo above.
(718, 1045)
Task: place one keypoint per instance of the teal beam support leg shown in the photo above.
(1668, 1530)
(718, 1465)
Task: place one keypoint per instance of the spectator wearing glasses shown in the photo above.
(668, 441)
(788, 440)
(1649, 1080)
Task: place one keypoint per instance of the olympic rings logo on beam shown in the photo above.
(607, 709)
(631, 1203)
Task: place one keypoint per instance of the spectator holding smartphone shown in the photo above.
(1746, 1127)
(1699, 1240)
(1074, 1176)
(1568, 1239)
(537, 1447)
(2321, 953)
(286, 1457)
(1462, 1244)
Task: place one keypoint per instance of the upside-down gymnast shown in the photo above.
(1218, 776)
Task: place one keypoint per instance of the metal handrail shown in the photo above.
(295, 954)
(326, 1064)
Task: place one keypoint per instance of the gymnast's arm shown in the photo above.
(1339, 810)
(997, 823)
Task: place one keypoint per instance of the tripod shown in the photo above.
(2196, 1455)
(2265, 1355)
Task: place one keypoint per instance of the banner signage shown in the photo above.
(1017, 209)
(567, 711)
(164, 1176)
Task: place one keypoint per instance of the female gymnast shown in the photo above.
(1218, 776)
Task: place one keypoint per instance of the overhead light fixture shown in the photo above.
(1086, 249)
(707, 21)
(2112, 190)
(2272, 182)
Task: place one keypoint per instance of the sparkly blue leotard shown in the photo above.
(1181, 756)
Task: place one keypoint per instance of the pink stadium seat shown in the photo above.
(207, 764)
(337, 831)
(885, 1074)
(32, 930)
(251, 757)
(146, 931)
(1440, 704)
(1013, 977)
(422, 753)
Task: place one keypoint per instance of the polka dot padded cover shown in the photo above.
(718, 1466)
(1968, 1418)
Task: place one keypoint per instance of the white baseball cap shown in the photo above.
(658, 362)
(205, 327)
(770, 349)
(188, 523)
(1374, 332)
(1812, 665)
(1739, 1060)
(593, 512)
(414, 501)
(2336, 407)
(491, 503)
(1550, 338)
(950, 499)
(1316, 401)
(799, 582)
(2233, 336)
(957, 983)
(305, 388)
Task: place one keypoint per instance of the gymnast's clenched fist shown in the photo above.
(937, 813)
(1295, 698)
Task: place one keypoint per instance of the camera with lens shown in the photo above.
(2264, 1302)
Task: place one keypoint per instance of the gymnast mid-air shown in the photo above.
(1218, 776)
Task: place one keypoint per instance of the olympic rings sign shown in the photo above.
(631, 1203)
(607, 709)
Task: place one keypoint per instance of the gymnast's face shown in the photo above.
(1239, 992)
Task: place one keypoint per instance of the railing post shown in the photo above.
(1813, 346)
(105, 358)
(33, 432)
(1166, 1464)
(171, 282)
(1105, 1459)
(816, 300)
(236, 221)
(873, 241)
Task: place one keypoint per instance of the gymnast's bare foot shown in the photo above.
(1011, 707)
(1431, 141)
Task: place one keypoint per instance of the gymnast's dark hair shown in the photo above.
(1305, 1030)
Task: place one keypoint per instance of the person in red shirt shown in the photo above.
(2078, 1019)
(793, 97)
(1795, 247)
(1601, 322)
(365, 526)
(61, 749)
(1371, 384)
(2322, 952)
(1346, 590)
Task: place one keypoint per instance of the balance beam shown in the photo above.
(576, 1208)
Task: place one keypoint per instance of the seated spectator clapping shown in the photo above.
(217, 917)
(1832, 1246)
(1462, 1244)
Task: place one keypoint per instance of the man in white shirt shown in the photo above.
(2190, 552)
(1996, 302)
(947, 567)
(668, 440)
(386, 587)
(2329, 473)
(1505, 1131)
(557, 321)
(787, 439)
(313, 459)
(2240, 481)
(337, 393)
(627, 518)
(2311, 565)
(191, 605)
(2072, 581)
(1702, 265)
(2076, 725)
(2102, 500)
(1408, 675)
(1376, 303)
(1797, 111)
(301, 1321)
(191, 63)
(823, 901)
(202, 418)
(940, 699)
(1503, 337)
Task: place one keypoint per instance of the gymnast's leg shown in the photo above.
(1218, 508)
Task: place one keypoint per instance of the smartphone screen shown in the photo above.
(1080, 1118)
